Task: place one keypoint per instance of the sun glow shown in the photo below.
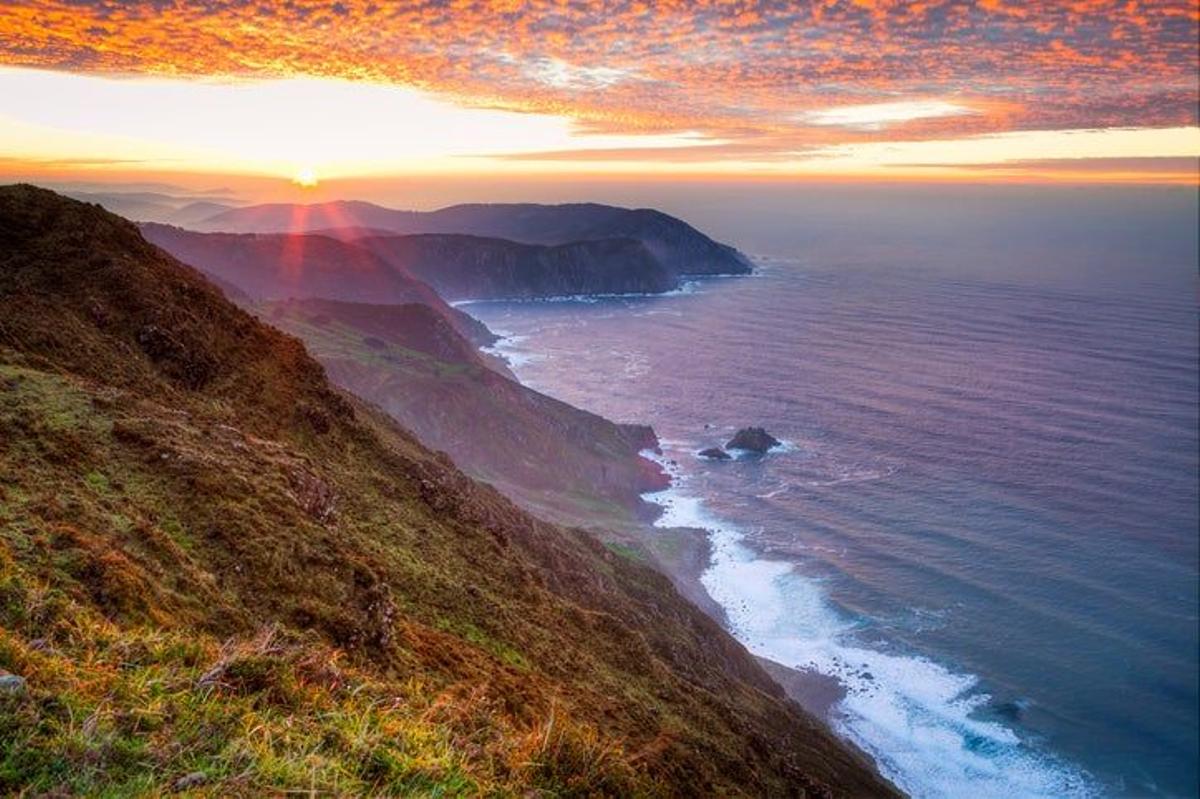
(265, 128)
(305, 177)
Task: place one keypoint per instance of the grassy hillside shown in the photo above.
(562, 462)
(219, 574)
(294, 265)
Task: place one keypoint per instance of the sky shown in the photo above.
(357, 90)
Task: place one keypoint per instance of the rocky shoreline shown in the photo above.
(684, 555)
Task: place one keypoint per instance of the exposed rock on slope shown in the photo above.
(226, 567)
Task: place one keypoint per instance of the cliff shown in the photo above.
(470, 267)
(282, 266)
(562, 462)
(681, 248)
(219, 573)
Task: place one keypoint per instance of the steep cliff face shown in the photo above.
(469, 267)
(281, 266)
(368, 328)
(680, 247)
(218, 572)
(562, 462)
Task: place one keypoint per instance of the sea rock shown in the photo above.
(753, 439)
(12, 685)
(715, 453)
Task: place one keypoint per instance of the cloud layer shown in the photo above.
(765, 77)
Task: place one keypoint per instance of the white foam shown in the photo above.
(688, 286)
(912, 715)
(782, 488)
(507, 348)
(782, 448)
(853, 475)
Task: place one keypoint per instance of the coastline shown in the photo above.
(688, 284)
(684, 552)
(913, 718)
(688, 557)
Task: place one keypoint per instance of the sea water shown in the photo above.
(984, 518)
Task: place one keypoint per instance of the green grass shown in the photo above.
(627, 551)
(123, 708)
(497, 648)
(97, 482)
(126, 713)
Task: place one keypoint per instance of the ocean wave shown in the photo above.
(853, 475)
(507, 348)
(782, 488)
(917, 718)
(845, 476)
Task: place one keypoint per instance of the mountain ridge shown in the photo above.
(466, 267)
(249, 581)
(563, 463)
(424, 268)
(681, 247)
(272, 266)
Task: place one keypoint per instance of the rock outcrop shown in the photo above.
(753, 439)
(715, 453)
(12, 685)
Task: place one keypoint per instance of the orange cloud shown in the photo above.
(729, 69)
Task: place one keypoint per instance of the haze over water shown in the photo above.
(986, 518)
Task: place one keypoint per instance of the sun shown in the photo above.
(305, 177)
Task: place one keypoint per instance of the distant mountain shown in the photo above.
(562, 462)
(192, 213)
(221, 575)
(156, 206)
(399, 269)
(277, 266)
(471, 267)
(679, 246)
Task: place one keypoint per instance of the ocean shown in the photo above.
(984, 520)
